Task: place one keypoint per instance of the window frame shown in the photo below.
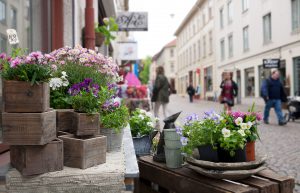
(4, 20)
(267, 34)
(246, 41)
(222, 49)
(295, 27)
(230, 45)
(229, 12)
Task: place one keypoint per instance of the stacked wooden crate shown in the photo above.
(29, 127)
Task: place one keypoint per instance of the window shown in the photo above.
(210, 12)
(210, 43)
(267, 30)
(245, 5)
(222, 47)
(204, 19)
(190, 58)
(3, 44)
(2, 12)
(230, 12)
(246, 38)
(171, 53)
(195, 52)
(194, 29)
(208, 79)
(295, 14)
(230, 46)
(221, 18)
(204, 46)
(249, 82)
(13, 18)
(172, 67)
(199, 49)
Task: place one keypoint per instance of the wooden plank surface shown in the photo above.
(185, 179)
(264, 185)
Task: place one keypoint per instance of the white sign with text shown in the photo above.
(12, 36)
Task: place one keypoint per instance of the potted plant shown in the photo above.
(25, 85)
(142, 124)
(85, 102)
(104, 32)
(201, 134)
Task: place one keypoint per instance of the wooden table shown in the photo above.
(156, 177)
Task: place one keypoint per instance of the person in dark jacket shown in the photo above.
(191, 92)
(228, 92)
(273, 93)
(161, 92)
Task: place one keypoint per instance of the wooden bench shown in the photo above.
(156, 177)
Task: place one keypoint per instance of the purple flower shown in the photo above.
(87, 81)
(259, 116)
(2, 56)
(36, 55)
(237, 114)
(116, 104)
(14, 63)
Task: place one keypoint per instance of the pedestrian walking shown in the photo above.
(161, 92)
(273, 93)
(228, 92)
(191, 92)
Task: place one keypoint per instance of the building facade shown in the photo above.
(248, 32)
(196, 51)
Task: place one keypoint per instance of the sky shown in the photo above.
(164, 18)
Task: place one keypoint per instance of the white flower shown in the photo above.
(149, 114)
(221, 118)
(183, 140)
(150, 124)
(143, 111)
(226, 132)
(55, 83)
(244, 126)
(64, 74)
(238, 121)
(141, 117)
(241, 132)
(249, 124)
(65, 82)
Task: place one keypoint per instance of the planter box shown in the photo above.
(142, 145)
(60, 133)
(64, 119)
(114, 140)
(32, 159)
(21, 97)
(84, 152)
(207, 153)
(29, 128)
(84, 124)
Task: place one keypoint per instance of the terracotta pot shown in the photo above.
(99, 39)
(250, 151)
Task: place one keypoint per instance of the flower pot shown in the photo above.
(22, 97)
(207, 153)
(172, 139)
(142, 145)
(224, 156)
(114, 139)
(250, 151)
(174, 159)
(99, 39)
(85, 124)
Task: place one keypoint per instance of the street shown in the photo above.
(281, 144)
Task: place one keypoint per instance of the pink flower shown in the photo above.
(2, 56)
(259, 116)
(54, 67)
(14, 63)
(89, 65)
(237, 114)
(116, 104)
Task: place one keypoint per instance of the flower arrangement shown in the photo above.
(84, 96)
(33, 67)
(228, 130)
(109, 26)
(142, 123)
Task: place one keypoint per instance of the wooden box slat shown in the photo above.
(64, 119)
(21, 97)
(85, 152)
(33, 159)
(29, 128)
(84, 124)
(185, 179)
(264, 185)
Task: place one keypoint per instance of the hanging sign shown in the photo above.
(12, 36)
(271, 63)
(132, 21)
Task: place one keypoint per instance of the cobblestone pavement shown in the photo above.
(280, 143)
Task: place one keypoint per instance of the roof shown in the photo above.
(168, 45)
(189, 16)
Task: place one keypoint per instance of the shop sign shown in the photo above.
(271, 63)
(12, 36)
(127, 50)
(132, 21)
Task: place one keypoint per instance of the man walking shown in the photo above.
(191, 92)
(273, 93)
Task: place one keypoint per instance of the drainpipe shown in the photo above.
(89, 35)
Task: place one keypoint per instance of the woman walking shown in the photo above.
(160, 95)
(229, 91)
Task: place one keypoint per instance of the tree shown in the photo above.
(144, 75)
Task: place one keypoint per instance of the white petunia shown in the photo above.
(238, 121)
(244, 126)
(141, 117)
(64, 74)
(150, 124)
(226, 132)
(241, 132)
(249, 124)
(55, 83)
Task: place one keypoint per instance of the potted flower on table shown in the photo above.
(142, 125)
(104, 32)
(85, 102)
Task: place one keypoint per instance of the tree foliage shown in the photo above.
(144, 75)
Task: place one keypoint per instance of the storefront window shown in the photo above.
(297, 75)
(208, 79)
(250, 83)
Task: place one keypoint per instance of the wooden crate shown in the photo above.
(37, 159)
(21, 97)
(84, 152)
(64, 119)
(84, 124)
(29, 128)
